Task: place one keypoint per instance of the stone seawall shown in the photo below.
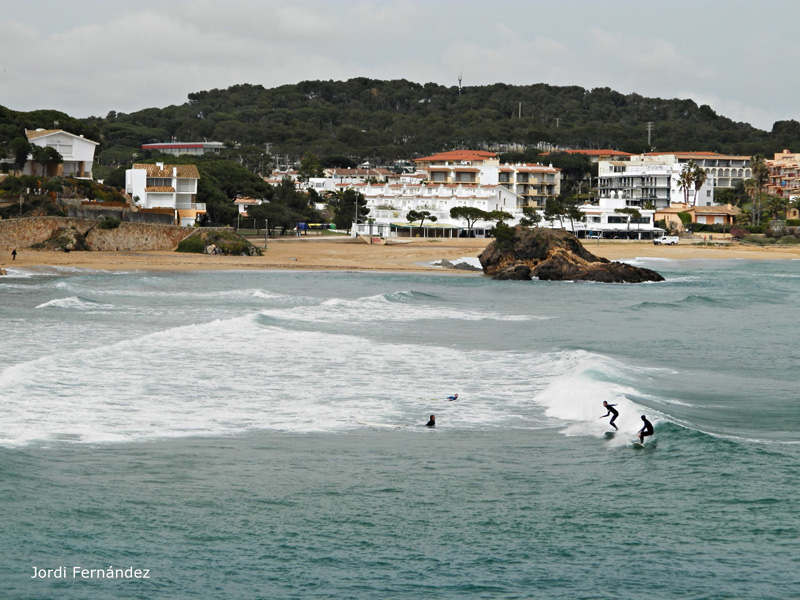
(23, 233)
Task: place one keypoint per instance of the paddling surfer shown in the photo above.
(611, 411)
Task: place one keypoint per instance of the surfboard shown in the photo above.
(610, 434)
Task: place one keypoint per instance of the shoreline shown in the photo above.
(331, 254)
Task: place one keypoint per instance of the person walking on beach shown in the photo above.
(611, 411)
(432, 422)
(646, 430)
(14, 254)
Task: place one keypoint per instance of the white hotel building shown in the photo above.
(453, 179)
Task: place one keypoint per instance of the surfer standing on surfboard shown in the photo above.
(646, 430)
(611, 411)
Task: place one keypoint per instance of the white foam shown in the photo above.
(382, 308)
(75, 303)
(231, 376)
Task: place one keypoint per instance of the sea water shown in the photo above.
(261, 435)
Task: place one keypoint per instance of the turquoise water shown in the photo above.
(260, 435)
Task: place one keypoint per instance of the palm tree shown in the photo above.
(699, 177)
(760, 173)
(686, 180)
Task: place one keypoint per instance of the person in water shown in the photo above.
(646, 430)
(453, 397)
(432, 422)
(611, 411)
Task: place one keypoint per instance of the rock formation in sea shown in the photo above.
(553, 255)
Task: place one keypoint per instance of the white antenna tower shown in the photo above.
(459, 82)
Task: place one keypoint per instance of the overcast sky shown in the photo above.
(88, 57)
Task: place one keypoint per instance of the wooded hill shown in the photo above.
(383, 121)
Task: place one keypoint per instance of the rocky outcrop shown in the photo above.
(65, 239)
(553, 255)
(459, 266)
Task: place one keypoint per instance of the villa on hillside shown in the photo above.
(166, 189)
(76, 150)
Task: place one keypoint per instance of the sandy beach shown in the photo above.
(323, 253)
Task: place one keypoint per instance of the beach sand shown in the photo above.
(324, 253)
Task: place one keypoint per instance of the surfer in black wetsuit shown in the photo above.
(646, 430)
(432, 422)
(611, 411)
(453, 397)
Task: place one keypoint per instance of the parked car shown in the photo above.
(670, 240)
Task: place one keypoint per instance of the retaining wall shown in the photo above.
(23, 233)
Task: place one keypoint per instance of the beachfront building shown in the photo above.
(649, 184)
(169, 189)
(706, 215)
(461, 167)
(604, 220)
(76, 150)
(389, 205)
(784, 175)
(186, 148)
(724, 170)
(596, 155)
(533, 183)
(358, 175)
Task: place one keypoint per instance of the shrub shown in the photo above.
(738, 233)
(504, 236)
(789, 239)
(191, 244)
(108, 223)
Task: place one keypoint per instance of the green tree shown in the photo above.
(46, 156)
(532, 217)
(686, 180)
(760, 172)
(554, 209)
(20, 148)
(632, 213)
(309, 167)
(470, 214)
(346, 205)
(699, 178)
(421, 215)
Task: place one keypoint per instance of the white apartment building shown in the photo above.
(161, 186)
(641, 184)
(532, 183)
(390, 203)
(727, 171)
(76, 150)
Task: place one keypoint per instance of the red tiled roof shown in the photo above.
(701, 154)
(159, 188)
(184, 171)
(458, 155)
(598, 152)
